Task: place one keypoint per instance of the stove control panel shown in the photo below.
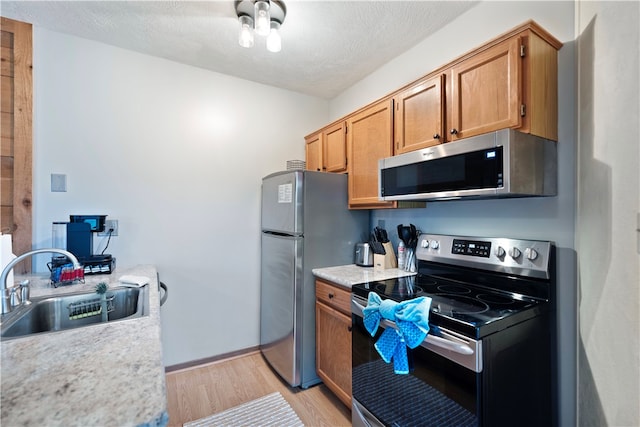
(513, 256)
(471, 247)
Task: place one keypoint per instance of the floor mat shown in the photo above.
(270, 410)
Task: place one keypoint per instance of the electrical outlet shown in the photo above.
(110, 227)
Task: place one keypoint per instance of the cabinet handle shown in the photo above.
(330, 296)
(436, 136)
(453, 131)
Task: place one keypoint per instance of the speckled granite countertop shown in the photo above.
(101, 375)
(349, 275)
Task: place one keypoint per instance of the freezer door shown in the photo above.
(281, 281)
(282, 202)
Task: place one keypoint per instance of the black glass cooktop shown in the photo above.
(475, 311)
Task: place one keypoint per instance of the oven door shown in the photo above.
(442, 389)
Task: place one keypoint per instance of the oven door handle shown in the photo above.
(447, 344)
(437, 341)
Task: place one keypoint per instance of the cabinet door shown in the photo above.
(419, 114)
(335, 148)
(486, 91)
(313, 157)
(370, 138)
(333, 350)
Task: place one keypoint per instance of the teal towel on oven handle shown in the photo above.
(412, 319)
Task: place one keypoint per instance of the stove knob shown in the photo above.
(514, 253)
(435, 244)
(424, 244)
(531, 254)
(499, 252)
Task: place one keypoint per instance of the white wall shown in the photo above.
(176, 154)
(608, 50)
(536, 218)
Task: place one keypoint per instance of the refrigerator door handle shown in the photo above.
(281, 234)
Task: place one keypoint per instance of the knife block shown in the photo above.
(386, 261)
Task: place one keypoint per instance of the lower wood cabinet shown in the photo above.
(333, 338)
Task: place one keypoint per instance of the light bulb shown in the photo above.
(262, 17)
(246, 31)
(274, 41)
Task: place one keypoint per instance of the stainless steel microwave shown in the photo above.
(504, 163)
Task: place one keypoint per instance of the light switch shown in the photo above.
(58, 182)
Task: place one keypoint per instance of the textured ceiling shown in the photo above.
(327, 46)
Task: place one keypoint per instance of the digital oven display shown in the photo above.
(471, 248)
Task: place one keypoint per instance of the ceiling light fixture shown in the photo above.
(262, 17)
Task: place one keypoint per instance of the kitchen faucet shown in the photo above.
(6, 304)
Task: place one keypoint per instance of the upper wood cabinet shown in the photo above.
(369, 139)
(419, 115)
(486, 92)
(327, 150)
(509, 84)
(314, 152)
(335, 148)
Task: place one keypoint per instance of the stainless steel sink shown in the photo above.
(58, 313)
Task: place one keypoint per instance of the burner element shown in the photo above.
(454, 289)
(494, 299)
(399, 290)
(456, 304)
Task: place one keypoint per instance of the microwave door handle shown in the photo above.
(357, 309)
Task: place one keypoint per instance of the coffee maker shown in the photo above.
(76, 236)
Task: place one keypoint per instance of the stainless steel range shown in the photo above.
(489, 357)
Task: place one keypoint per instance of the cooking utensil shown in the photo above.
(410, 265)
(409, 236)
(414, 236)
(404, 233)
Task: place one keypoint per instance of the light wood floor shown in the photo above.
(201, 391)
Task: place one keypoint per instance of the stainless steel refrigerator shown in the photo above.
(305, 225)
